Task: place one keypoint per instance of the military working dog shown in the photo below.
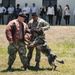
(41, 44)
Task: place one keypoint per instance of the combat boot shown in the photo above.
(9, 67)
(37, 65)
(24, 67)
(28, 64)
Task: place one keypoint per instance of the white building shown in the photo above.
(39, 3)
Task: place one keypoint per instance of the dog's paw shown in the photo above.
(54, 68)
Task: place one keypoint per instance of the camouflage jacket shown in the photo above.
(38, 24)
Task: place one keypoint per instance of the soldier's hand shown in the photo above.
(31, 45)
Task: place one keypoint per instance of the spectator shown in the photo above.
(2, 11)
(50, 13)
(43, 12)
(34, 9)
(16, 35)
(18, 10)
(59, 15)
(26, 10)
(55, 9)
(74, 15)
(10, 13)
(67, 14)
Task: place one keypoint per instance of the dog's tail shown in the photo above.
(59, 60)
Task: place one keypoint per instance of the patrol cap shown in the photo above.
(22, 14)
(34, 14)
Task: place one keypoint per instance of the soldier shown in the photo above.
(41, 45)
(16, 35)
(36, 22)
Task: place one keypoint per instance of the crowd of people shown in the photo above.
(13, 12)
(45, 11)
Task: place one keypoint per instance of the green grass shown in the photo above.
(64, 50)
(61, 39)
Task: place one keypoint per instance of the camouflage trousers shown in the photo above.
(30, 52)
(13, 49)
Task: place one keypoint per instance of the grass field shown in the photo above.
(61, 39)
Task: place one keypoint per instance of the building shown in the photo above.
(39, 3)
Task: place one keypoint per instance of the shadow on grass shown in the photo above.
(32, 68)
(12, 70)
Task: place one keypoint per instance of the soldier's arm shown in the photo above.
(8, 32)
(45, 25)
(31, 44)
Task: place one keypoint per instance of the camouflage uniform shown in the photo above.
(32, 25)
(16, 33)
(13, 49)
